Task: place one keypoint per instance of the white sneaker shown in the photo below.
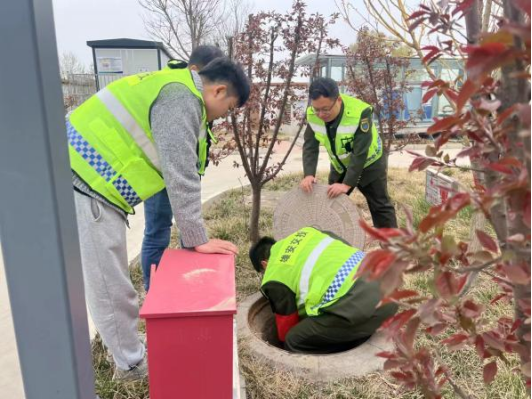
(135, 373)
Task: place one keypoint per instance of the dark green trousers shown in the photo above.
(344, 325)
(329, 333)
(373, 184)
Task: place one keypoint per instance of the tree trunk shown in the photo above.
(515, 91)
(255, 213)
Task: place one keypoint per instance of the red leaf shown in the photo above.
(421, 163)
(490, 370)
(409, 335)
(493, 340)
(398, 295)
(497, 167)
(487, 242)
(436, 329)
(417, 14)
(464, 7)
(429, 94)
(480, 347)
(470, 309)
(376, 263)
(506, 114)
(517, 273)
(382, 234)
(524, 5)
(466, 92)
(439, 215)
(434, 52)
(393, 324)
(447, 285)
(443, 124)
(386, 355)
(455, 341)
(485, 58)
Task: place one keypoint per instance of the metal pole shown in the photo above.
(37, 218)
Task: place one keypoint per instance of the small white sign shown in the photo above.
(109, 65)
(437, 188)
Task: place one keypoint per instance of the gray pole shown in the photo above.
(37, 218)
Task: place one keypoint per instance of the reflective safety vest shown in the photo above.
(110, 139)
(345, 134)
(315, 266)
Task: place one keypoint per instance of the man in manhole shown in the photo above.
(309, 281)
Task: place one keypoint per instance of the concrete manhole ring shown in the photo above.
(297, 209)
(256, 326)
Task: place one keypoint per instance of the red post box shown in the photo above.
(189, 325)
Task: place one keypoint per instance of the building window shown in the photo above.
(337, 73)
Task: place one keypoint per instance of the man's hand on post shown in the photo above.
(334, 190)
(215, 246)
(307, 182)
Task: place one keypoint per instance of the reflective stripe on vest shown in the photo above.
(309, 266)
(340, 277)
(96, 161)
(130, 124)
(318, 129)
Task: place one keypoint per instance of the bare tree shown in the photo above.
(377, 76)
(256, 126)
(182, 25)
(69, 64)
(236, 13)
(394, 16)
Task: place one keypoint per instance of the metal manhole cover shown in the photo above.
(297, 209)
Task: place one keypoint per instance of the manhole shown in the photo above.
(256, 326)
(297, 209)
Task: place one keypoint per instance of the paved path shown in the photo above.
(217, 180)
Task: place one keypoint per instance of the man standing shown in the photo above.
(309, 281)
(129, 141)
(157, 209)
(343, 124)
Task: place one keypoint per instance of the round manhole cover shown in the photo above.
(297, 209)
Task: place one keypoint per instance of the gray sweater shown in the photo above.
(175, 123)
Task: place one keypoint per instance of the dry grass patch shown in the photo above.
(228, 218)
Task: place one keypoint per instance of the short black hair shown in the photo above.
(323, 87)
(260, 251)
(223, 70)
(202, 55)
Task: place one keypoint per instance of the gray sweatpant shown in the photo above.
(111, 297)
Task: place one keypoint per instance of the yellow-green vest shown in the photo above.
(353, 109)
(315, 266)
(110, 140)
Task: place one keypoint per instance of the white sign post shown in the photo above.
(438, 187)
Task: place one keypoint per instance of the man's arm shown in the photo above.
(362, 142)
(175, 121)
(311, 152)
(284, 306)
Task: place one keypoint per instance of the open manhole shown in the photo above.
(256, 326)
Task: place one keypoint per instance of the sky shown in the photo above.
(79, 21)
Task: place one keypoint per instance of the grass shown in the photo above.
(228, 218)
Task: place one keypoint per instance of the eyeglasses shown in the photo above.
(325, 110)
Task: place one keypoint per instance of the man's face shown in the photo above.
(217, 101)
(325, 108)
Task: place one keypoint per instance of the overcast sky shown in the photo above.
(79, 21)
